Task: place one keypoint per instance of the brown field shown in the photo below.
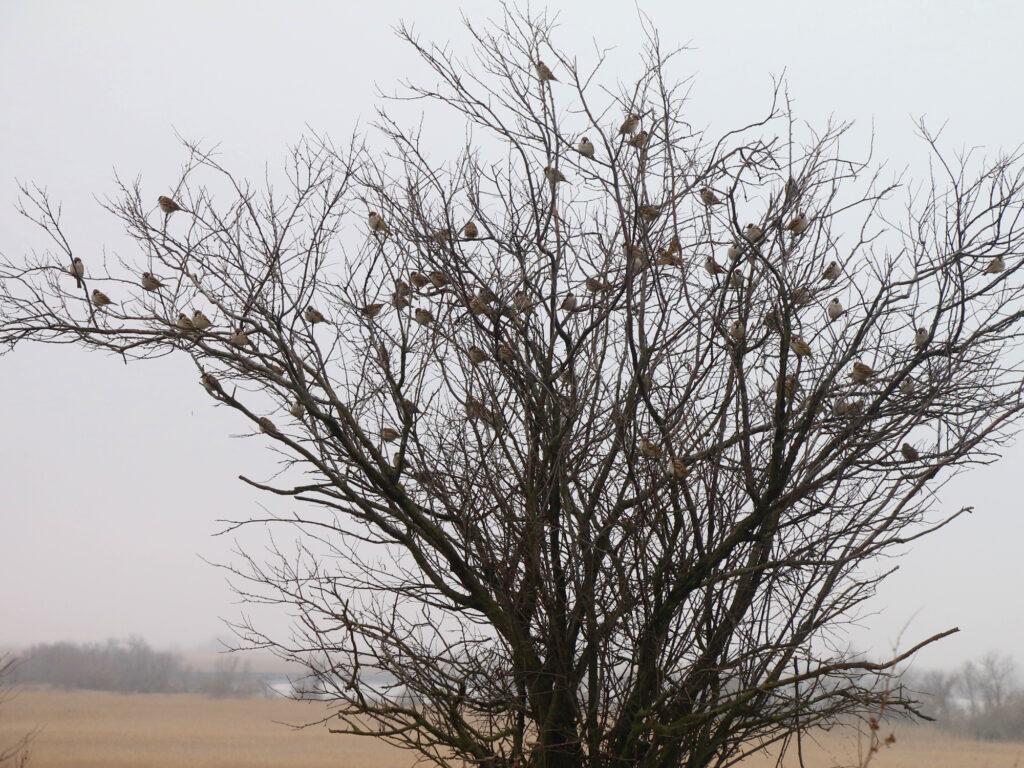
(86, 730)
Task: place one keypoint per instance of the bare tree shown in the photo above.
(594, 446)
(15, 754)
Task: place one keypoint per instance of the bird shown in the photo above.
(544, 72)
(801, 296)
(753, 233)
(910, 453)
(478, 306)
(476, 355)
(792, 191)
(674, 246)
(649, 212)
(772, 320)
(737, 330)
(798, 224)
(371, 310)
(167, 204)
(409, 405)
(441, 236)
(736, 279)
(800, 347)
(734, 252)
(239, 338)
(376, 222)
(100, 299)
(438, 279)
(649, 450)
(995, 266)
(399, 300)
(297, 409)
(267, 427)
(834, 310)
(521, 301)
(861, 372)
(403, 288)
(712, 267)
(312, 315)
(630, 124)
(569, 303)
(423, 316)
(586, 148)
(669, 259)
(200, 321)
(845, 407)
(77, 271)
(209, 382)
(553, 175)
(389, 434)
(486, 294)
(596, 284)
(639, 139)
(908, 385)
(791, 385)
(636, 259)
(418, 279)
(708, 197)
(505, 353)
(149, 282)
(832, 272)
(183, 323)
(679, 468)
(470, 231)
(921, 337)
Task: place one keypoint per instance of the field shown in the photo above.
(89, 730)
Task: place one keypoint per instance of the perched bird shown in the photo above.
(708, 197)
(521, 301)
(586, 148)
(376, 222)
(845, 407)
(736, 279)
(297, 409)
(734, 252)
(636, 259)
(209, 382)
(649, 450)
(486, 294)
(639, 140)
(921, 338)
(312, 315)
(441, 236)
(371, 310)
(596, 284)
(200, 321)
(569, 303)
(861, 372)
(649, 212)
(995, 266)
(753, 233)
(389, 434)
(77, 271)
(679, 469)
(423, 316)
(438, 279)
(418, 279)
(832, 272)
(798, 224)
(409, 405)
(183, 323)
(399, 299)
(801, 296)
(100, 299)
(792, 190)
(470, 231)
(674, 246)
(669, 259)
(505, 353)
(910, 453)
(267, 427)
(773, 320)
(712, 267)
(478, 306)
(737, 331)
(476, 355)
(800, 347)
(403, 288)
(834, 310)
(167, 204)
(791, 385)
(544, 72)
(150, 283)
(908, 386)
(239, 338)
(630, 124)
(553, 175)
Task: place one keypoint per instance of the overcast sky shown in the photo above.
(112, 477)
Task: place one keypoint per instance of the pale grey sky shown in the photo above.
(113, 477)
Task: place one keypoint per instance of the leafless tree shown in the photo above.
(584, 471)
(16, 754)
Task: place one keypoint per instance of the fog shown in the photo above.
(113, 478)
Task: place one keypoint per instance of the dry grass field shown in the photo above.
(108, 730)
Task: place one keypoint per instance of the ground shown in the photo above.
(90, 730)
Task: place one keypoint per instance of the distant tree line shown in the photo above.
(131, 666)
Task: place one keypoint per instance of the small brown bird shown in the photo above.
(674, 246)
(200, 321)
(792, 190)
(183, 323)
(908, 386)
(478, 306)
(737, 331)
(438, 279)
(708, 197)
(772, 320)
(553, 175)
(834, 310)
(423, 316)
(297, 409)
(801, 296)
(649, 212)
(544, 72)
(371, 310)
(712, 267)
(239, 338)
(167, 204)
(667, 259)
(486, 294)
(679, 469)
(418, 279)
(995, 266)
(753, 233)
(649, 450)
(798, 224)
(505, 353)
(376, 222)
(100, 299)
(403, 288)
(149, 282)
(861, 372)
(586, 148)
(521, 301)
(399, 299)
(77, 271)
(636, 259)
(910, 453)
(312, 315)
(389, 434)
(476, 355)
(734, 252)
(832, 272)
(921, 338)
(639, 140)
(791, 385)
(441, 237)
(630, 124)
(569, 303)
(846, 407)
(209, 382)
(267, 427)
(736, 280)
(470, 231)
(800, 347)
(596, 284)
(409, 405)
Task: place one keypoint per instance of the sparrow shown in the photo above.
(200, 321)
(183, 323)
(637, 259)
(801, 296)
(544, 72)
(312, 315)
(639, 140)
(486, 294)
(478, 306)
(239, 338)
(441, 236)
(674, 247)
(679, 469)
(844, 407)
(649, 450)
(167, 204)
(267, 426)
(861, 372)
(402, 288)
(669, 259)
(569, 303)
(834, 310)
(418, 279)
(708, 197)
(772, 320)
(389, 434)
(734, 252)
(596, 284)
(77, 271)
(376, 222)
(370, 310)
(798, 224)
(438, 279)
(649, 212)
(586, 148)
(736, 280)
(737, 330)
(470, 231)
(800, 347)
(712, 267)
(630, 124)
(995, 266)
(791, 385)
(521, 301)
(409, 405)
(792, 190)
(209, 382)
(423, 316)
(505, 353)
(753, 233)
(910, 453)
(399, 300)
(921, 337)
(476, 355)
(150, 283)
(297, 409)
(908, 385)
(100, 299)
(832, 272)
(553, 175)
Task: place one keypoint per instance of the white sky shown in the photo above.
(111, 478)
